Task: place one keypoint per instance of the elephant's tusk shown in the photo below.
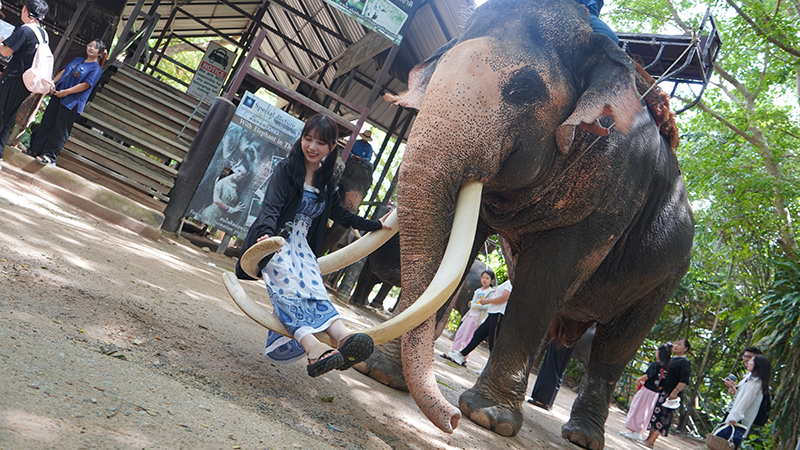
(256, 312)
(358, 249)
(447, 278)
(441, 288)
(258, 251)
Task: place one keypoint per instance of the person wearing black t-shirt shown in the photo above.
(21, 46)
(680, 369)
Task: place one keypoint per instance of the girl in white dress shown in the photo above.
(302, 193)
(476, 315)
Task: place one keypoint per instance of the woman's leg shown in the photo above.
(42, 133)
(337, 331)
(481, 333)
(354, 347)
(309, 342)
(62, 125)
(494, 332)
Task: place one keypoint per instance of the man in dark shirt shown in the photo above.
(680, 369)
(21, 46)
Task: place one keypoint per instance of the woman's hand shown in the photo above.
(52, 89)
(266, 236)
(235, 209)
(383, 221)
(732, 422)
(61, 94)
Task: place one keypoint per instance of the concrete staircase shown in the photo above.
(127, 137)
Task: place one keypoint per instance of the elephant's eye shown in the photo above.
(523, 87)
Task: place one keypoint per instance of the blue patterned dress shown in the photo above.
(295, 287)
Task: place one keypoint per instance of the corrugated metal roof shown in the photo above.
(305, 34)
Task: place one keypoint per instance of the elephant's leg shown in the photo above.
(377, 302)
(614, 345)
(495, 402)
(385, 365)
(366, 281)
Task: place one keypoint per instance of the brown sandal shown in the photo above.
(322, 359)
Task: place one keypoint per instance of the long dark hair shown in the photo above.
(325, 129)
(664, 355)
(762, 369)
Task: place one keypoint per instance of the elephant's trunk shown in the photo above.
(453, 144)
(427, 194)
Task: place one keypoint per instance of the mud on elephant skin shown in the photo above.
(598, 229)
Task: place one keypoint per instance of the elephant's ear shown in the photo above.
(610, 80)
(418, 80)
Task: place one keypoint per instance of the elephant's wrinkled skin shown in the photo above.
(594, 231)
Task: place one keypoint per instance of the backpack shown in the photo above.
(763, 411)
(39, 77)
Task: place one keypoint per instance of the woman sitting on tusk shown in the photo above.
(302, 190)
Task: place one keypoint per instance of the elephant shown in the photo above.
(383, 266)
(541, 118)
(353, 185)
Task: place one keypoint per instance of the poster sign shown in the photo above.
(258, 137)
(386, 17)
(211, 72)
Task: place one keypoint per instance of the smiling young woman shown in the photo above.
(68, 96)
(302, 191)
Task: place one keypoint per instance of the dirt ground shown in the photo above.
(112, 341)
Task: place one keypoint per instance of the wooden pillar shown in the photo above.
(196, 162)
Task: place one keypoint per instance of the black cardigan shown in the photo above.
(280, 205)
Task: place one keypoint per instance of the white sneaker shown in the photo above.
(456, 357)
(630, 435)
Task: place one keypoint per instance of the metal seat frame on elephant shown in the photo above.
(679, 59)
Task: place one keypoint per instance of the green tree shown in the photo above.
(739, 161)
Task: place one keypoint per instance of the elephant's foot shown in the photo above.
(503, 419)
(384, 366)
(583, 434)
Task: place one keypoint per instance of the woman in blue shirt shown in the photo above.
(71, 90)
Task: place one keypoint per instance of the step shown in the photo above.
(92, 171)
(150, 80)
(104, 126)
(134, 156)
(138, 113)
(145, 133)
(121, 163)
(124, 95)
(131, 177)
(155, 91)
(160, 105)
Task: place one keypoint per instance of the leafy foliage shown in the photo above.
(739, 161)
